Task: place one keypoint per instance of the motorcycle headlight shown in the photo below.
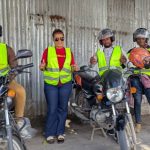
(115, 95)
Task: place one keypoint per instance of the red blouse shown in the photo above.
(61, 56)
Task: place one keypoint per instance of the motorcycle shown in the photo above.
(10, 137)
(103, 101)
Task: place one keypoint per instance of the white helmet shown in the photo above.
(141, 33)
(105, 33)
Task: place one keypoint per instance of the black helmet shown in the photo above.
(141, 33)
(0, 30)
(105, 33)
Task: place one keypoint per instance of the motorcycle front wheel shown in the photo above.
(17, 144)
(125, 139)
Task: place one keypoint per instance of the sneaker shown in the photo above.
(50, 139)
(26, 131)
(60, 139)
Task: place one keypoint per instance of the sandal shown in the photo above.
(50, 140)
(60, 139)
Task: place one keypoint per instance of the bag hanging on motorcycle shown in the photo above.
(130, 100)
(129, 96)
(145, 81)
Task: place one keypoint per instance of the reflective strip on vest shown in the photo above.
(114, 60)
(57, 70)
(3, 70)
(52, 74)
(51, 78)
(66, 70)
(62, 77)
(145, 70)
(142, 71)
(52, 69)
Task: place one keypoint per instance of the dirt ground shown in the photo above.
(78, 138)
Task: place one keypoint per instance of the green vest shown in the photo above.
(114, 60)
(52, 74)
(143, 71)
(4, 67)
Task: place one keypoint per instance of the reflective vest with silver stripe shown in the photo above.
(114, 62)
(143, 71)
(52, 74)
(4, 67)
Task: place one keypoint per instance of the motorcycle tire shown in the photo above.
(124, 139)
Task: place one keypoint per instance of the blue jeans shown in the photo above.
(135, 82)
(57, 98)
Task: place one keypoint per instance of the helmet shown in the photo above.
(0, 30)
(105, 33)
(137, 56)
(141, 32)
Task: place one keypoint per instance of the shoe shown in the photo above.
(138, 128)
(60, 139)
(25, 129)
(50, 139)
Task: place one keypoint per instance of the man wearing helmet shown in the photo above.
(141, 37)
(7, 62)
(109, 55)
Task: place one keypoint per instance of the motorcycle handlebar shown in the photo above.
(81, 71)
(88, 75)
(27, 66)
(20, 68)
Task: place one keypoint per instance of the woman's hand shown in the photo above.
(42, 65)
(75, 67)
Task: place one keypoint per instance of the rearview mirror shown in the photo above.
(24, 53)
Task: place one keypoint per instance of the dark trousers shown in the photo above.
(135, 82)
(57, 98)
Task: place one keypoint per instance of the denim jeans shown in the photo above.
(57, 107)
(135, 82)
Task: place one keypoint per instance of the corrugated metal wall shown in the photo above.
(121, 19)
(29, 24)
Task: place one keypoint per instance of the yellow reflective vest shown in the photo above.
(4, 67)
(52, 74)
(114, 60)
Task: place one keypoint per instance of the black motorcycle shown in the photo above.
(10, 138)
(104, 102)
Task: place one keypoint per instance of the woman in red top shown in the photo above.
(57, 96)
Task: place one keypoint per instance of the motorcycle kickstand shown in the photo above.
(95, 129)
